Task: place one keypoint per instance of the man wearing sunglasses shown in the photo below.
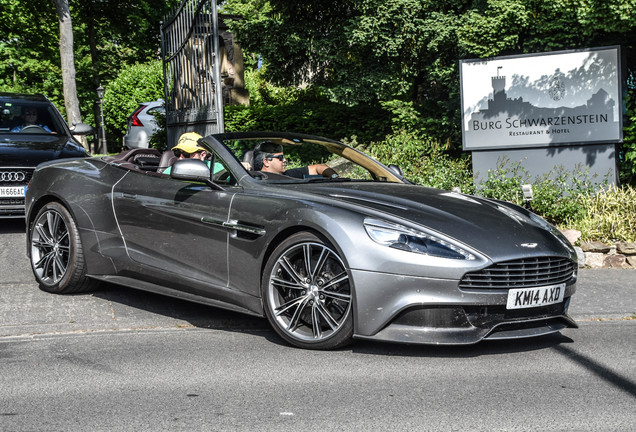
(268, 157)
(188, 148)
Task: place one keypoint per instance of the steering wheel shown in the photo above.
(33, 129)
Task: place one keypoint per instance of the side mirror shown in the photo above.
(193, 170)
(82, 129)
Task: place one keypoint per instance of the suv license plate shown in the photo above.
(535, 297)
(13, 191)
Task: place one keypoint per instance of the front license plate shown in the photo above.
(13, 191)
(534, 297)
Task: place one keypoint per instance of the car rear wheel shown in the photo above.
(56, 254)
(307, 293)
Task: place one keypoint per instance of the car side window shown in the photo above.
(222, 174)
(5, 121)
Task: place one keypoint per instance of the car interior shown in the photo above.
(154, 162)
(11, 116)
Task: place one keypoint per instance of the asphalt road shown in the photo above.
(120, 359)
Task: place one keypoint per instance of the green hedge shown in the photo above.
(327, 119)
(627, 154)
(422, 160)
(609, 216)
(134, 84)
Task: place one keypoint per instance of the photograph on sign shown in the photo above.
(540, 100)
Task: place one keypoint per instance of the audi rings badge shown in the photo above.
(12, 176)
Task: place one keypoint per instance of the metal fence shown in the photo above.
(190, 49)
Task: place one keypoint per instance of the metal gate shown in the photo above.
(191, 67)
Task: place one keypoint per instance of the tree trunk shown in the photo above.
(71, 102)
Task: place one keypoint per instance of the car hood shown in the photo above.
(31, 150)
(492, 228)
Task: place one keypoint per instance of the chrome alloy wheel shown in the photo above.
(50, 247)
(309, 293)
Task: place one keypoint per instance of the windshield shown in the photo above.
(292, 159)
(18, 116)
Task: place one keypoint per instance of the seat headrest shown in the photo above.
(249, 157)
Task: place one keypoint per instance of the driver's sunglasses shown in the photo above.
(178, 153)
(279, 157)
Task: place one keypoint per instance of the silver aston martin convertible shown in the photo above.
(352, 251)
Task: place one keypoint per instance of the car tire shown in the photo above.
(307, 293)
(57, 258)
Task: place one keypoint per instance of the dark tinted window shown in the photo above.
(15, 115)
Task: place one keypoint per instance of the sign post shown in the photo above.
(544, 110)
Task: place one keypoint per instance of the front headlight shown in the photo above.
(403, 238)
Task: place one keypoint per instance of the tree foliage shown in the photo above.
(627, 155)
(108, 36)
(366, 51)
(403, 54)
(138, 83)
(29, 52)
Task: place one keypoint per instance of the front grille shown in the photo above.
(13, 206)
(11, 201)
(522, 273)
(12, 212)
(8, 176)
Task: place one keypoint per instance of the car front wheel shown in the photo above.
(307, 293)
(56, 253)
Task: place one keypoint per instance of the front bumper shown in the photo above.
(419, 310)
(12, 207)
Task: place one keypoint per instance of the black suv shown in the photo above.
(31, 131)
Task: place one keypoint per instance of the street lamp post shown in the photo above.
(102, 132)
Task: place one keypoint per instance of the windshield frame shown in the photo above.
(377, 171)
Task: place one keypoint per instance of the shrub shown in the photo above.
(422, 161)
(610, 215)
(627, 154)
(558, 195)
(262, 92)
(134, 84)
(504, 182)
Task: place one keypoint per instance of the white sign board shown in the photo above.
(540, 100)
